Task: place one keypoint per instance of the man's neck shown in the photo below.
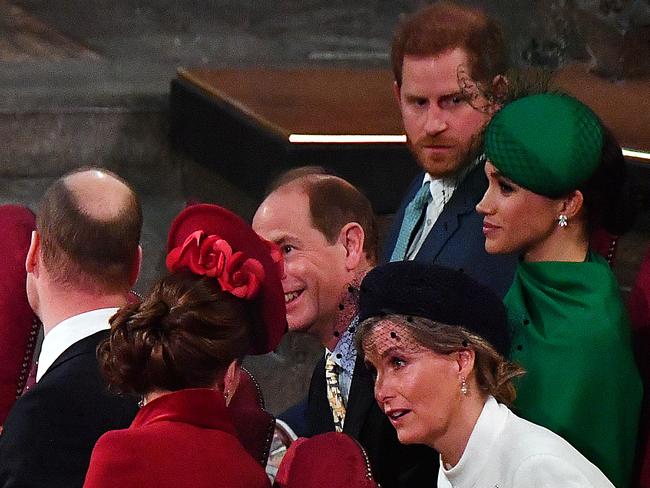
(61, 306)
(348, 309)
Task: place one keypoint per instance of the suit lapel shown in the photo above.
(462, 202)
(361, 399)
(319, 415)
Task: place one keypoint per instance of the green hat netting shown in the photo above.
(547, 143)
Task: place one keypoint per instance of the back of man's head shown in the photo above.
(333, 203)
(89, 223)
(444, 26)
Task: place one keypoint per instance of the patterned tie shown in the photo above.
(334, 396)
(412, 215)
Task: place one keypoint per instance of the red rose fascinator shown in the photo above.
(211, 241)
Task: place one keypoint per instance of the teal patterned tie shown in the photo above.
(412, 215)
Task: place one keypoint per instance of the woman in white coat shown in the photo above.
(437, 340)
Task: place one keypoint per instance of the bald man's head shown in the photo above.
(90, 222)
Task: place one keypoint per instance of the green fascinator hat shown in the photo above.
(549, 143)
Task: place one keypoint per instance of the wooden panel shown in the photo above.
(623, 105)
(308, 101)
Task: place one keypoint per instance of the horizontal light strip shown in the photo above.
(392, 139)
(345, 139)
(636, 154)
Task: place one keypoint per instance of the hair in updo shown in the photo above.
(605, 193)
(183, 335)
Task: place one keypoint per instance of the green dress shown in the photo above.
(571, 334)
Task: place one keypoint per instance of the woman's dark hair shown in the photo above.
(183, 335)
(605, 197)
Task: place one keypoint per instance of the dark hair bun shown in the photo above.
(183, 335)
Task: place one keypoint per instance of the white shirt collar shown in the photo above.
(441, 190)
(69, 332)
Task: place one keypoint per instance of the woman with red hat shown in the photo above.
(181, 349)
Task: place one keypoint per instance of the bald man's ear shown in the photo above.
(352, 238)
(31, 261)
(135, 269)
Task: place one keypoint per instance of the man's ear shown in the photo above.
(397, 93)
(573, 204)
(135, 268)
(352, 238)
(31, 261)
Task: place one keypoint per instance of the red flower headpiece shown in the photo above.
(211, 241)
(212, 256)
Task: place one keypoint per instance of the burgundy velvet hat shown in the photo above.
(333, 459)
(18, 323)
(210, 240)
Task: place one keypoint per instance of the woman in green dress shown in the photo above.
(548, 182)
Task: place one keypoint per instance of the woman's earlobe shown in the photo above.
(465, 361)
(573, 204)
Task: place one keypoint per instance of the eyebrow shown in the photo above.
(282, 239)
(495, 173)
(505, 179)
(391, 350)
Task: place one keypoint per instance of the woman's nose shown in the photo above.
(483, 207)
(382, 390)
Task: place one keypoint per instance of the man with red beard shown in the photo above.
(448, 62)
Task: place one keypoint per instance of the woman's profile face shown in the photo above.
(516, 220)
(417, 389)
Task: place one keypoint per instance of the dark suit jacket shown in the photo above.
(456, 240)
(394, 465)
(51, 430)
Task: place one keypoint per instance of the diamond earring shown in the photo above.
(562, 220)
(464, 389)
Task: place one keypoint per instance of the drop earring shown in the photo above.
(227, 397)
(464, 389)
(562, 220)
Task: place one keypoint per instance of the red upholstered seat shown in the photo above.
(333, 459)
(18, 324)
(639, 308)
(253, 423)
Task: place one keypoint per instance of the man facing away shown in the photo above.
(83, 258)
(448, 61)
(326, 230)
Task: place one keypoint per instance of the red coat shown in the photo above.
(182, 439)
